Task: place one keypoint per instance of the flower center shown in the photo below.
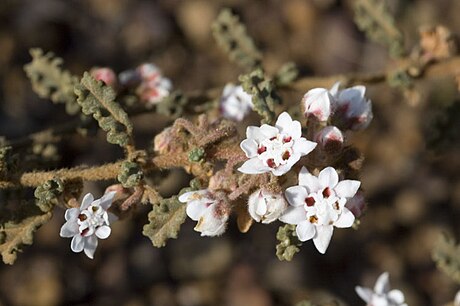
(275, 151)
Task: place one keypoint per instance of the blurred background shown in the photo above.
(410, 175)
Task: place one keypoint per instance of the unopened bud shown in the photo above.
(265, 206)
(105, 75)
(330, 139)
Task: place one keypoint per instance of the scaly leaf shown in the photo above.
(14, 235)
(288, 244)
(232, 37)
(49, 80)
(374, 18)
(165, 220)
(98, 99)
(446, 254)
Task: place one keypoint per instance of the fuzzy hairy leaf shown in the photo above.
(49, 80)
(232, 37)
(263, 94)
(98, 99)
(374, 18)
(287, 74)
(47, 193)
(7, 161)
(130, 174)
(446, 254)
(13, 235)
(165, 220)
(288, 244)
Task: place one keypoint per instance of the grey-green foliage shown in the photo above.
(232, 37)
(49, 80)
(288, 244)
(173, 105)
(374, 18)
(47, 194)
(287, 74)
(130, 174)
(165, 220)
(196, 154)
(98, 99)
(446, 254)
(7, 161)
(262, 90)
(14, 234)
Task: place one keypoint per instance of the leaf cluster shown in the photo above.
(446, 254)
(49, 80)
(288, 244)
(130, 174)
(98, 100)
(47, 194)
(232, 37)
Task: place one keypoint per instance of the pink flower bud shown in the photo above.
(357, 204)
(105, 75)
(330, 139)
(317, 104)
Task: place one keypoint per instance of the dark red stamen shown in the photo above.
(326, 192)
(85, 231)
(310, 201)
(82, 217)
(261, 150)
(271, 163)
(287, 139)
(273, 138)
(286, 155)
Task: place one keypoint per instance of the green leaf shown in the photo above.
(47, 193)
(262, 90)
(13, 235)
(446, 254)
(288, 244)
(49, 80)
(287, 74)
(98, 99)
(130, 174)
(165, 220)
(374, 18)
(232, 37)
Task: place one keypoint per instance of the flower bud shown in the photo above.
(357, 204)
(166, 142)
(352, 110)
(235, 103)
(105, 75)
(265, 206)
(330, 139)
(317, 104)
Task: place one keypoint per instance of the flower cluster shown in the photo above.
(87, 223)
(154, 87)
(382, 295)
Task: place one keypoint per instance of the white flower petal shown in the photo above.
(196, 209)
(323, 237)
(296, 195)
(396, 296)
(352, 93)
(334, 89)
(253, 166)
(249, 146)
(261, 208)
(328, 177)
(364, 293)
(345, 220)
(283, 122)
(308, 180)
(347, 188)
(382, 285)
(87, 200)
(77, 243)
(317, 103)
(106, 200)
(268, 131)
(294, 215)
(254, 132)
(303, 146)
(305, 230)
(71, 214)
(69, 229)
(103, 232)
(90, 246)
(192, 195)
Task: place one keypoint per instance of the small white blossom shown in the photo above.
(154, 87)
(274, 148)
(330, 139)
(381, 295)
(265, 206)
(318, 204)
(351, 108)
(87, 223)
(317, 103)
(235, 103)
(212, 214)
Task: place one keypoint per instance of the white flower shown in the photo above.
(274, 148)
(330, 139)
(235, 103)
(265, 206)
(351, 108)
(154, 86)
(317, 103)
(318, 204)
(212, 214)
(381, 295)
(87, 223)
(457, 299)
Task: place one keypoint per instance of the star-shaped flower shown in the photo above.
(87, 223)
(318, 204)
(274, 148)
(381, 295)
